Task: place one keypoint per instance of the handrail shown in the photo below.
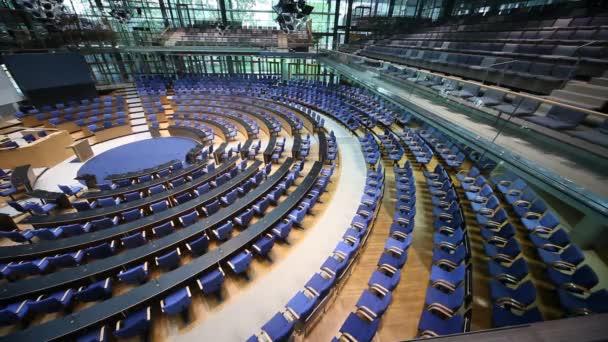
(510, 92)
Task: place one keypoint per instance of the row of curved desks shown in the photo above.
(72, 244)
(144, 185)
(83, 216)
(214, 125)
(112, 308)
(77, 276)
(233, 120)
(143, 172)
(269, 149)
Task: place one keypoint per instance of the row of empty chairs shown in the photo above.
(228, 129)
(304, 303)
(573, 279)
(362, 324)
(448, 297)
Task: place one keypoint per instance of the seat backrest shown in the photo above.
(566, 114)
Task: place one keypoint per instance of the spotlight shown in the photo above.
(292, 15)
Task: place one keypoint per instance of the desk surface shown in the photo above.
(30, 287)
(143, 185)
(142, 295)
(71, 244)
(76, 217)
(135, 174)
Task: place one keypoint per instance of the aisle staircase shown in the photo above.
(591, 95)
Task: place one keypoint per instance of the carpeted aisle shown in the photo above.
(137, 156)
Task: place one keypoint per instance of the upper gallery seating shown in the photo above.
(533, 58)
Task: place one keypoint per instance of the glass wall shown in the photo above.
(109, 68)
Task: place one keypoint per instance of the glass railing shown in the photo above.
(564, 163)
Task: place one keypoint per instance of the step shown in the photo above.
(581, 100)
(601, 81)
(587, 89)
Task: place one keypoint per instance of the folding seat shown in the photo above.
(84, 205)
(144, 178)
(559, 118)
(240, 262)
(122, 183)
(132, 196)
(500, 233)
(135, 275)
(244, 188)
(581, 280)
(282, 229)
(212, 281)
(97, 291)
(134, 240)
(243, 219)
(135, 324)
(264, 244)
(25, 268)
(449, 253)
(177, 182)
(202, 189)
(14, 313)
(17, 235)
(279, 327)
(445, 299)
(446, 277)
(261, 205)
(188, 219)
(108, 202)
(219, 181)
(71, 190)
(169, 260)
(511, 273)
(334, 265)
(107, 186)
(506, 253)
(198, 246)
(224, 231)
(275, 194)
(229, 198)
(176, 302)
(503, 317)
(42, 209)
(54, 302)
(66, 260)
(76, 229)
(211, 208)
(298, 214)
(554, 241)
(104, 223)
(356, 328)
(519, 297)
(567, 258)
(101, 251)
(156, 189)
(431, 325)
(539, 221)
(132, 215)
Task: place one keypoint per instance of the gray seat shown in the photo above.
(597, 136)
(521, 106)
(559, 118)
(490, 97)
(468, 90)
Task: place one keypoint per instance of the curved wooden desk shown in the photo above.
(44, 152)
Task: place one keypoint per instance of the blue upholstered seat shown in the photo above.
(84, 205)
(132, 196)
(177, 301)
(108, 201)
(302, 304)
(14, 313)
(278, 328)
(575, 304)
(25, 268)
(503, 317)
(134, 240)
(99, 290)
(67, 260)
(135, 324)
(132, 215)
(101, 251)
(211, 208)
(188, 219)
(359, 329)
(94, 335)
(71, 190)
(567, 258)
(373, 305)
(159, 206)
(169, 260)
(240, 262)
(76, 229)
(581, 280)
(212, 281)
(433, 325)
(521, 296)
(198, 246)
(54, 302)
(264, 244)
(282, 229)
(105, 222)
(135, 275)
(243, 219)
(48, 233)
(17, 235)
